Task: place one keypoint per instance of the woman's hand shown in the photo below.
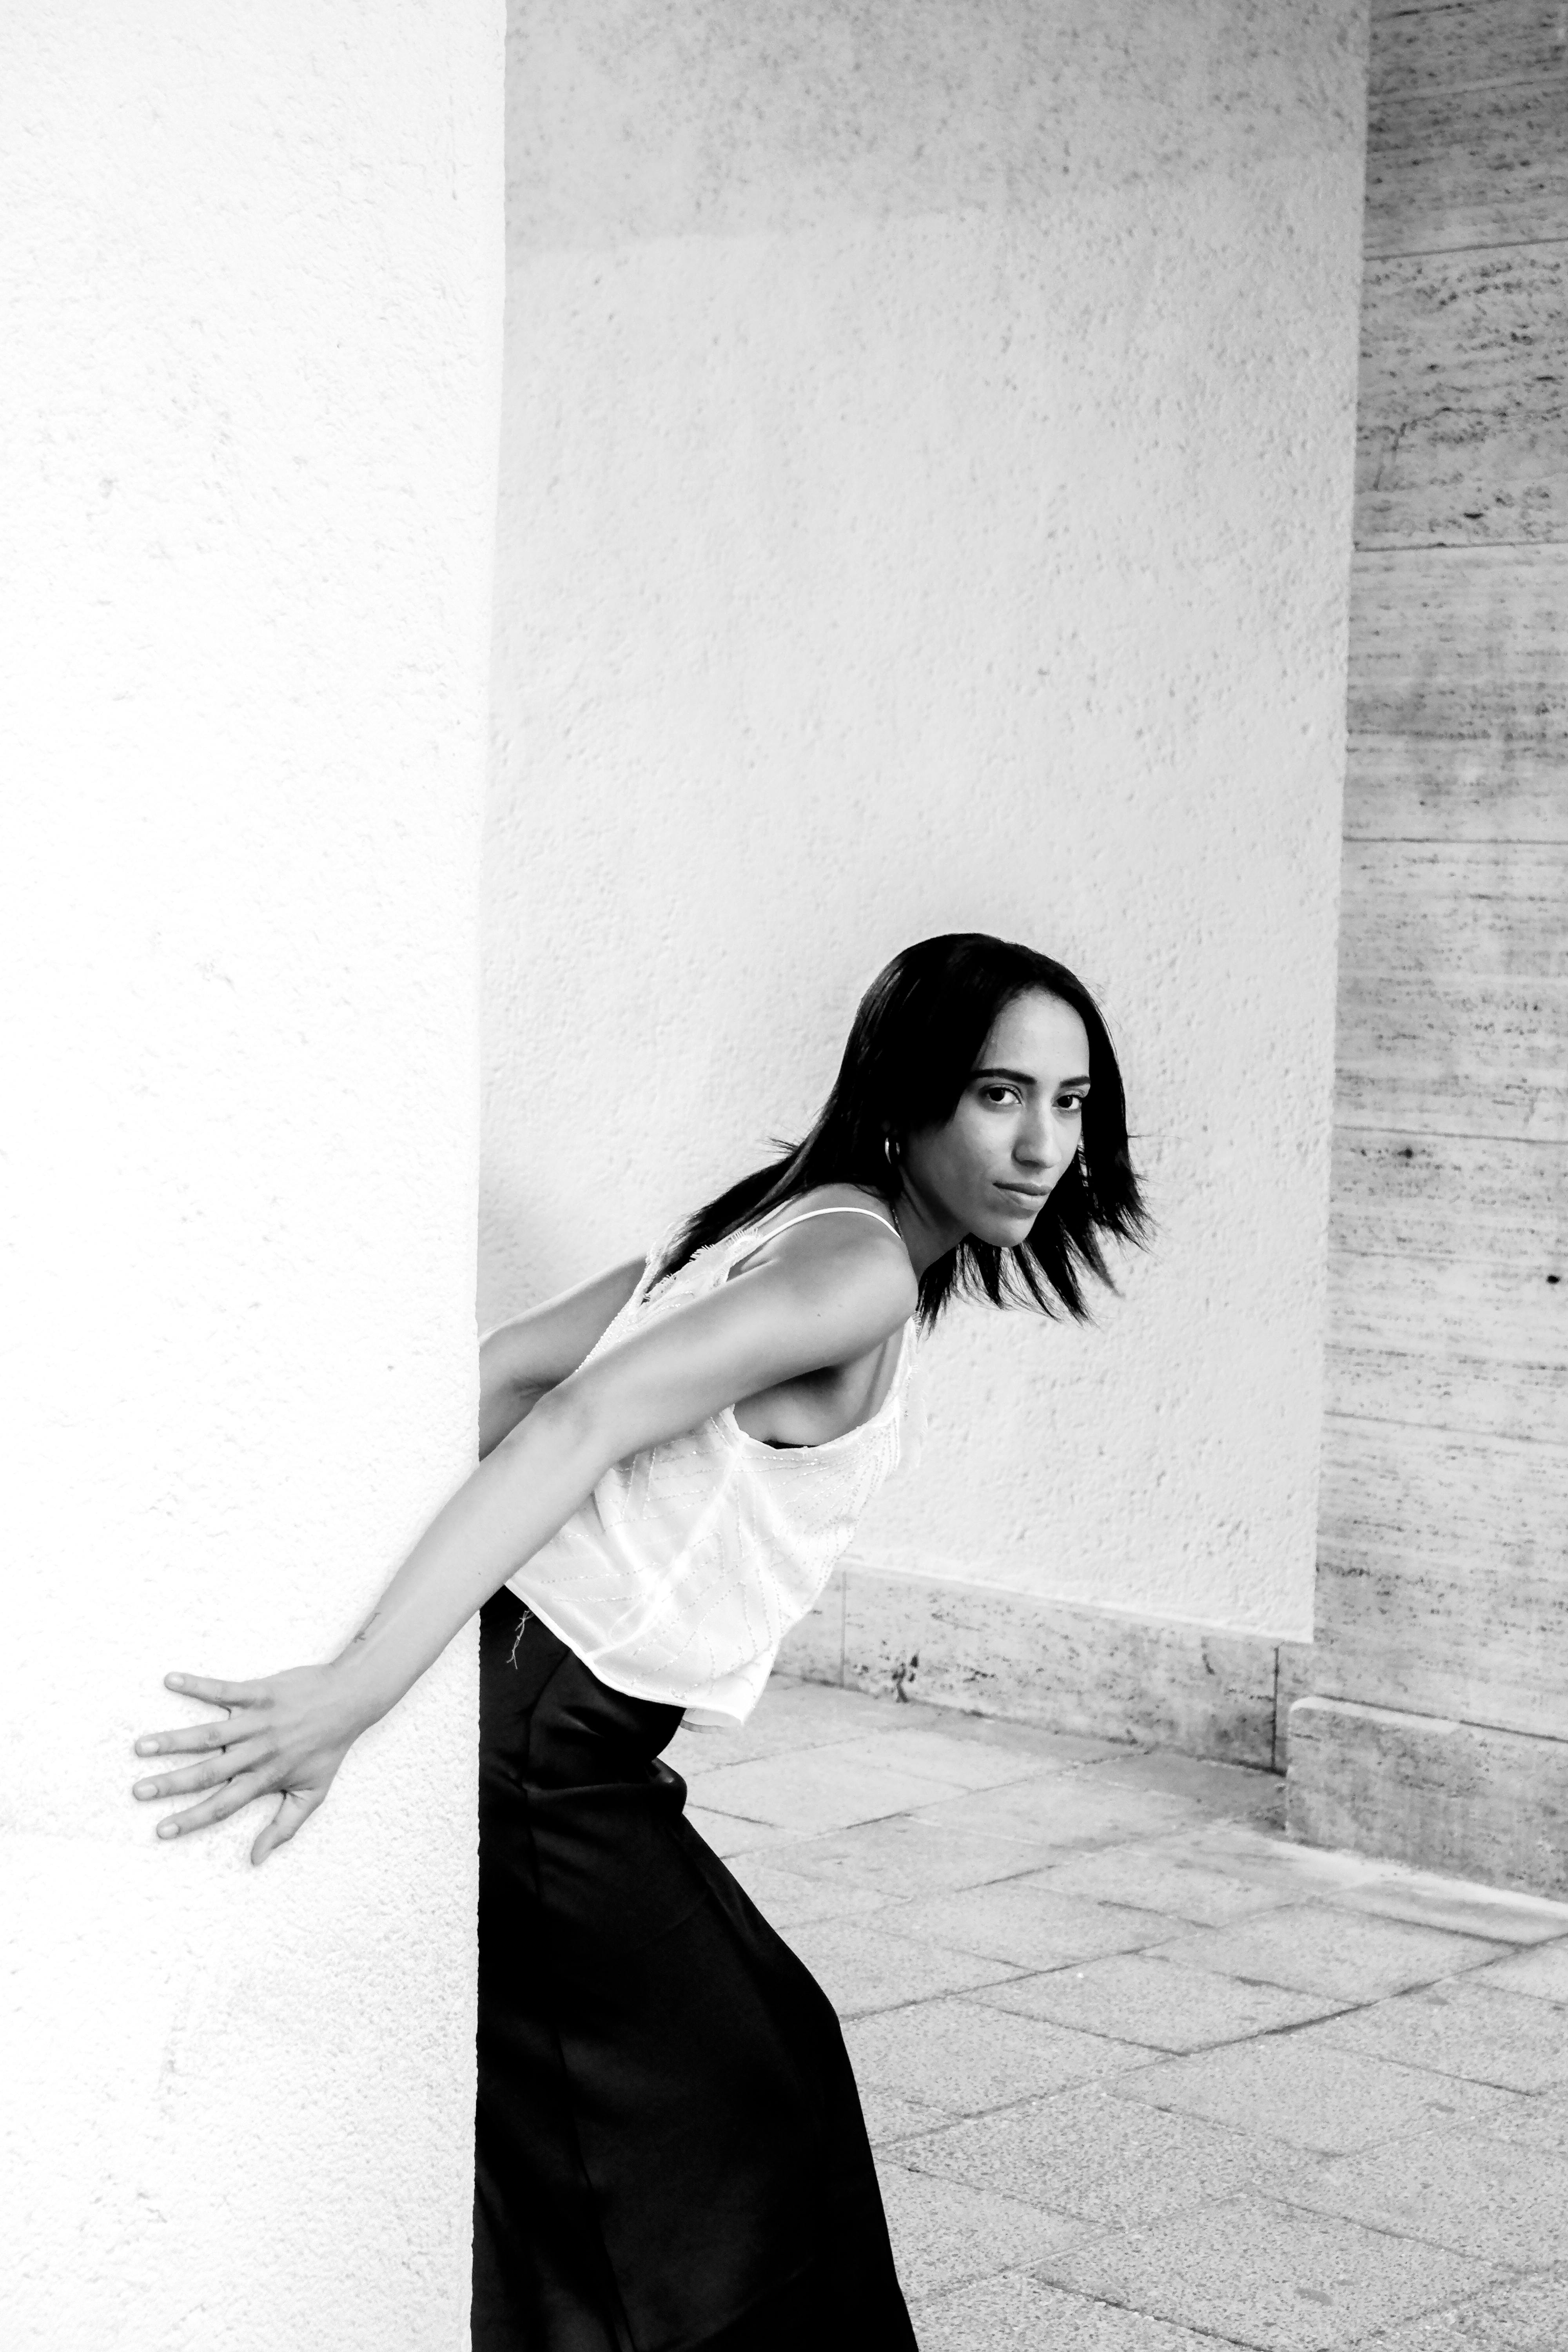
(288, 1732)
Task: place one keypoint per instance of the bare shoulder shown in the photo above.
(862, 1248)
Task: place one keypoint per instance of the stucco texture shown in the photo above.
(926, 473)
(252, 326)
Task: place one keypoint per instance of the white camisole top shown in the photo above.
(682, 1572)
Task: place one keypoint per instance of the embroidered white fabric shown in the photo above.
(681, 1574)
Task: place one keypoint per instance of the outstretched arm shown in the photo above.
(823, 1301)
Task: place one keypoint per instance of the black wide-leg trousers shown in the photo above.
(669, 2150)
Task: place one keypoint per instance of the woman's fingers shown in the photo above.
(201, 1738)
(297, 1807)
(229, 1800)
(286, 1734)
(215, 1693)
(191, 1739)
(240, 1755)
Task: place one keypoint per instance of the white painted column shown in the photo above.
(251, 329)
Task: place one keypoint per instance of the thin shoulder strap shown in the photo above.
(847, 1209)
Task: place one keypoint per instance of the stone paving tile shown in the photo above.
(1472, 2027)
(1316, 1948)
(1016, 2313)
(1486, 1911)
(861, 1969)
(1526, 2315)
(1227, 1792)
(787, 1900)
(1112, 2162)
(955, 1763)
(1269, 1860)
(1542, 1973)
(1061, 1811)
(903, 1858)
(729, 1836)
(967, 2058)
(1468, 2190)
(944, 2233)
(1019, 1920)
(1138, 1997)
(1263, 2274)
(788, 1698)
(1304, 2090)
(1318, 2003)
(1058, 1747)
(1540, 2120)
(1389, 1888)
(790, 1715)
(889, 2119)
(815, 1789)
(1159, 1877)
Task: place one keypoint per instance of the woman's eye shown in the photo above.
(999, 1094)
(1072, 1102)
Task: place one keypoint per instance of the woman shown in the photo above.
(670, 2151)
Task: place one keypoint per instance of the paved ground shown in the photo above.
(1144, 2077)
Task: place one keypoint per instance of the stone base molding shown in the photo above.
(1464, 1799)
(1091, 1672)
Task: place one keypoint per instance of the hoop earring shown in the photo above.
(890, 1151)
(1082, 1165)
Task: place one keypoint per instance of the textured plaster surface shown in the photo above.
(926, 482)
(252, 332)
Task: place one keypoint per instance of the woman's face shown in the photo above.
(990, 1168)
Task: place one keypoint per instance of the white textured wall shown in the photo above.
(926, 477)
(251, 329)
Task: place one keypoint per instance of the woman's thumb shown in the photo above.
(295, 1808)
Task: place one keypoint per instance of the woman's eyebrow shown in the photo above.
(1026, 1079)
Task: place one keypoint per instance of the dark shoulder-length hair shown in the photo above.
(917, 1036)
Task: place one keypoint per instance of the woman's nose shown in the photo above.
(1050, 1142)
(1037, 1145)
